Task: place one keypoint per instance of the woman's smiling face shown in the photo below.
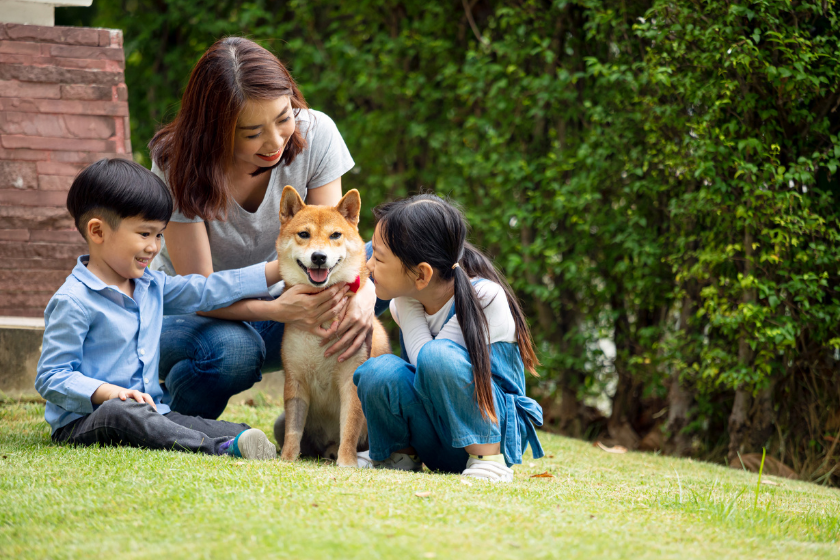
(262, 131)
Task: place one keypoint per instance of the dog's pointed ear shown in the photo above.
(350, 206)
(290, 204)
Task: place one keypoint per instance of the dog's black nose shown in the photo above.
(318, 258)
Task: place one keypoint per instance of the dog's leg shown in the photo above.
(352, 423)
(296, 403)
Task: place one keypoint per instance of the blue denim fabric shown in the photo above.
(205, 361)
(432, 407)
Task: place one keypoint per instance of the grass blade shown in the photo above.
(760, 470)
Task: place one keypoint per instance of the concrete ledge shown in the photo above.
(20, 348)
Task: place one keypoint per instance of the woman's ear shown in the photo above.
(96, 231)
(425, 272)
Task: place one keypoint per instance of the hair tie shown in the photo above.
(456, 265)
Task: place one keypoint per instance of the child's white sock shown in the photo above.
(488, 467)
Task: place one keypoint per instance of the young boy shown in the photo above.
(99, 364)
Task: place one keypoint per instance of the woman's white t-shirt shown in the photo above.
(248, 238)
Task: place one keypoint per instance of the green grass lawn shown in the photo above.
(63, 502)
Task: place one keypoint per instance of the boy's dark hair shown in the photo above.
(116, 189)
(426, 228)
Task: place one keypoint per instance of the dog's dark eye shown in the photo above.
(303, 234)
(336, 235)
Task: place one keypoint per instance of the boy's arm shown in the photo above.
(413, 324)
(60, 379)
(188, 294)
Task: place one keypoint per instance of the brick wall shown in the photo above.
(63, 105)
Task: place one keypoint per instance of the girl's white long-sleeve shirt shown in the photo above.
(418, 327)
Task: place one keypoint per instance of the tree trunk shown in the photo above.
(628, 392)
(680, 397)
(739, 419)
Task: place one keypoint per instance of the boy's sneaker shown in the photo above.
(488, 469)
(250, 444)
(400, 462)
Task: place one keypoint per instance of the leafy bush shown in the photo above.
(657, 176)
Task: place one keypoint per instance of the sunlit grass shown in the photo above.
(64, 502)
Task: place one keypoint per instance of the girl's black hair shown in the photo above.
(426, 228)
(115, 189)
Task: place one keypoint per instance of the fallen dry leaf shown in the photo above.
(532, 464)
(550, 456)
(466, 482)
(250, 402)
(422, 494)
(542, 475)
(770, 483)
(615, 449)
(239, 463)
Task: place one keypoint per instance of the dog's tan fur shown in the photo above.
(322, 409)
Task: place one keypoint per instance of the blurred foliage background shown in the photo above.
(657, 179)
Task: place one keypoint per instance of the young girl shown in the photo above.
(456, 400)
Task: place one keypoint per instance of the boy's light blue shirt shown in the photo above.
(96, 334)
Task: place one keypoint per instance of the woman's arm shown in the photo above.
(328, 195)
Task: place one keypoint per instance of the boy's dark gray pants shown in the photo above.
(136, 424)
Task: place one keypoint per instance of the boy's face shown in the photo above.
(130, 248)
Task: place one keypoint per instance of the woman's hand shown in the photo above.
(354, 327)
(307, 307)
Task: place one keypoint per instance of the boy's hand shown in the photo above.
(106, 392)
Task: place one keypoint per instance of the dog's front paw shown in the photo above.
(289, 454)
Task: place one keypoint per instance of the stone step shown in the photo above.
(20, 348)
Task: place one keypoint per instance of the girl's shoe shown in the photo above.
(363, 457)
(400, 462)
(488, 470)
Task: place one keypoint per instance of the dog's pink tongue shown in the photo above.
(318, 274)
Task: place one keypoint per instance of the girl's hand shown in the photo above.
(307, 307)
(354, 327)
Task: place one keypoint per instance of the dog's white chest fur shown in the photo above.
(307, 360)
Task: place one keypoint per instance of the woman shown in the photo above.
(243, 132)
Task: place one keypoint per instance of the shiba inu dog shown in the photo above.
(320, 245)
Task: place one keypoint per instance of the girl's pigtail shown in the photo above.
(474, 327)
(477, 265)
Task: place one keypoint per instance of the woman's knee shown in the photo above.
(220, 352)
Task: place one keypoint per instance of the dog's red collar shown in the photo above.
(354, 285)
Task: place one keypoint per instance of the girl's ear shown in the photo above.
(290, 204)
(350, 206)
(96, 231)
(425, 272)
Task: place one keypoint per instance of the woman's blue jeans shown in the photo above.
(430, 408)
(205, 361)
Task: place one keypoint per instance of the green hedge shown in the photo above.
(661, 174)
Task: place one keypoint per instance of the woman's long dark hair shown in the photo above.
(426, 228)
(196, 149)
